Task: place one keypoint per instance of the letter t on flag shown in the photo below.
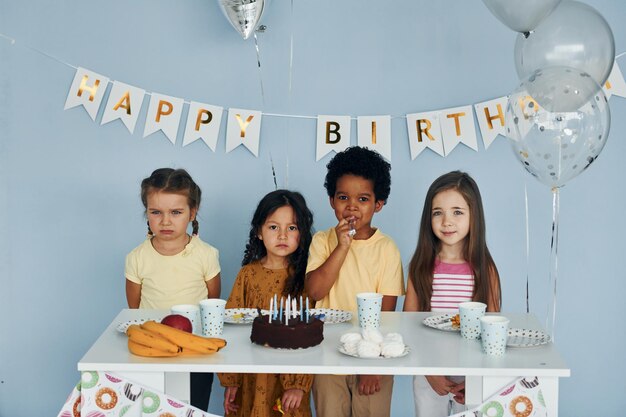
(333, 134)
(87, 90)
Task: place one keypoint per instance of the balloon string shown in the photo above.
(291, 54)
(289, 126)
(527, 248)
(554, 262)
(258, 61)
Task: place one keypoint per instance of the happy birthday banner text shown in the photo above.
(439, 130)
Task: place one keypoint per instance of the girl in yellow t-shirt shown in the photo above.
(171, 266)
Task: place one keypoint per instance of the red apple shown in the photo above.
(178, 322)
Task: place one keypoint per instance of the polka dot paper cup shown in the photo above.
(192, 312)
(470, 314)
(494, 331)
(369, 305)
(212, 312)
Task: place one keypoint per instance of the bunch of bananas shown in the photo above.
(158, 340)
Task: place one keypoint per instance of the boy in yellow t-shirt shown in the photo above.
(350, 258)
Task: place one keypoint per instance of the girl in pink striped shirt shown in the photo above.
(451, 264)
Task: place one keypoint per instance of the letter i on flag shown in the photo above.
(125, 104)
(333, 134)
(490, 115)
(374, 132)
(203, 122)
(164, 114)
(87, 90)
(243, 128)
(424, 132)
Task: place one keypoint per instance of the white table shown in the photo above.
(433, 352)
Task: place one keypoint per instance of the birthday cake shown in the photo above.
(297, 334)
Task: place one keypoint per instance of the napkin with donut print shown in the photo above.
(104, 394)
(521, 398)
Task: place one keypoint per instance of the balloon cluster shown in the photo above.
(558, 118)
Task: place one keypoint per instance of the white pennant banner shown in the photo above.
(441, 131)
(164, 114)
(457, 126)
(203, 122)
(333, 134)
(124, 103)
(243, 128)
(374, 132)
(424, 132)
(490, 115)
(87, 90)
(615, 84)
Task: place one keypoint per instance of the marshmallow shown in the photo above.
(350, 337)
(351, 348)
(368, 349)
(392, 349)
(393, 337)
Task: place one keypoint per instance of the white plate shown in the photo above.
(342, 350)
(241, 315)
(332, 316)
(526, 338)
(442, 322)
(122, 327)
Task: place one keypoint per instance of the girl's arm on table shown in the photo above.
(214, 287)
(133, 294)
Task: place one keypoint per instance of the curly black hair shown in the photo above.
(255, 249)
(362, 162)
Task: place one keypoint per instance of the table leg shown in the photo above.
(177, 385)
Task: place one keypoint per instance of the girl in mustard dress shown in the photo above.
(274, 263)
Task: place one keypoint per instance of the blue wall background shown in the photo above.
(69, 187)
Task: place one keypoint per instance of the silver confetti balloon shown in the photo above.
(243, 15)
(556, 146)
(573, 35)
